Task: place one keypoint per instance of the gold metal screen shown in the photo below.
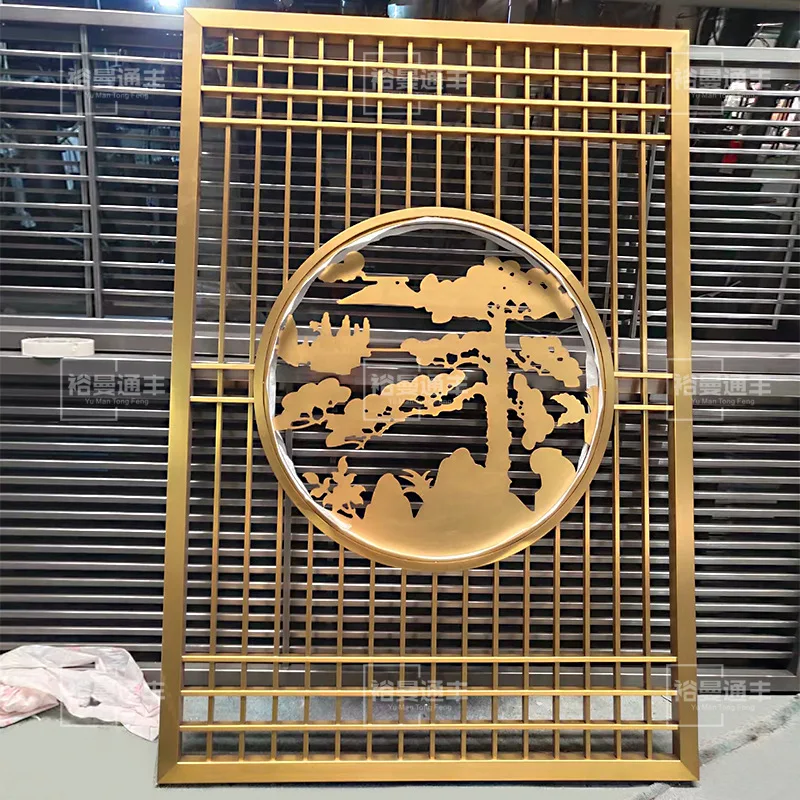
(311, 663)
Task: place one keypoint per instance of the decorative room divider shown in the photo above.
(482, 327)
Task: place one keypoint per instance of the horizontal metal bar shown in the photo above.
(144, 91)
(58, 15)
(641, 407)
(404, 99)
(429, 129)
(332, 658)
(131, 59)
(203, 365)
(657, 376)
(253, 727)
(422, 691)
(444, 767)
(748, 55)
(202, 399)
(345, 64)
(749, 93)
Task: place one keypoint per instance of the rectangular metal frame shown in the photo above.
(274, 765)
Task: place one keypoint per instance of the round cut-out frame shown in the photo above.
(600, 373)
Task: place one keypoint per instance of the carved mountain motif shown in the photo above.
(340, 352)
(455, 515)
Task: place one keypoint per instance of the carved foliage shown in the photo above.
(310, 404)
(340, 492)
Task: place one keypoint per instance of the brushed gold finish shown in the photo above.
(454, 528)
(411, 128)
(387, 768)
(419, 658)
(295, 618)
(421, 690)
(679, 360)
(594, 75)
(180, 424)
(339, 352)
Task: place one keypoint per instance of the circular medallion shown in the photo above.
(434, 389)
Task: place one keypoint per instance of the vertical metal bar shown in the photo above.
(379, 145)
(556, 637)
(91, 171)
(284, 508)
(616, 587)
(464, 652)
(439, 78)
(409, 117)
(217, 491)
(585, 171)
(613, 266)
(587, 623)
(309, 637)
(587, 507)
(645, 213)
(556, 157)
(495, 651)
(248, 509)
(679, 356)
(468, 137)
(348, 169)
(403, 620)
(587, 627)
(180, 420)
(526, 648)
(646, 606)
(337, 748)
(616, 577)
(788, 258)
(370, 652)
(286, 566)
(645, 429)
(498, 152)
(276, 617)
(434, 638)
(226, 209)
(83, 188)
(215, 526)
(317, 237)
(613, 243)
(318, 157)
(283, 534)
(287, 175)
(310, 548)
(256, 205)
(526, 177)
(251, 352)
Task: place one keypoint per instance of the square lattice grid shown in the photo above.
(311, 662)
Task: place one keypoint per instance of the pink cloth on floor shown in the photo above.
(103, 683)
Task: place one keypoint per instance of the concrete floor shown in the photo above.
(53, 759)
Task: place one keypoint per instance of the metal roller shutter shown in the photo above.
(88, 208)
